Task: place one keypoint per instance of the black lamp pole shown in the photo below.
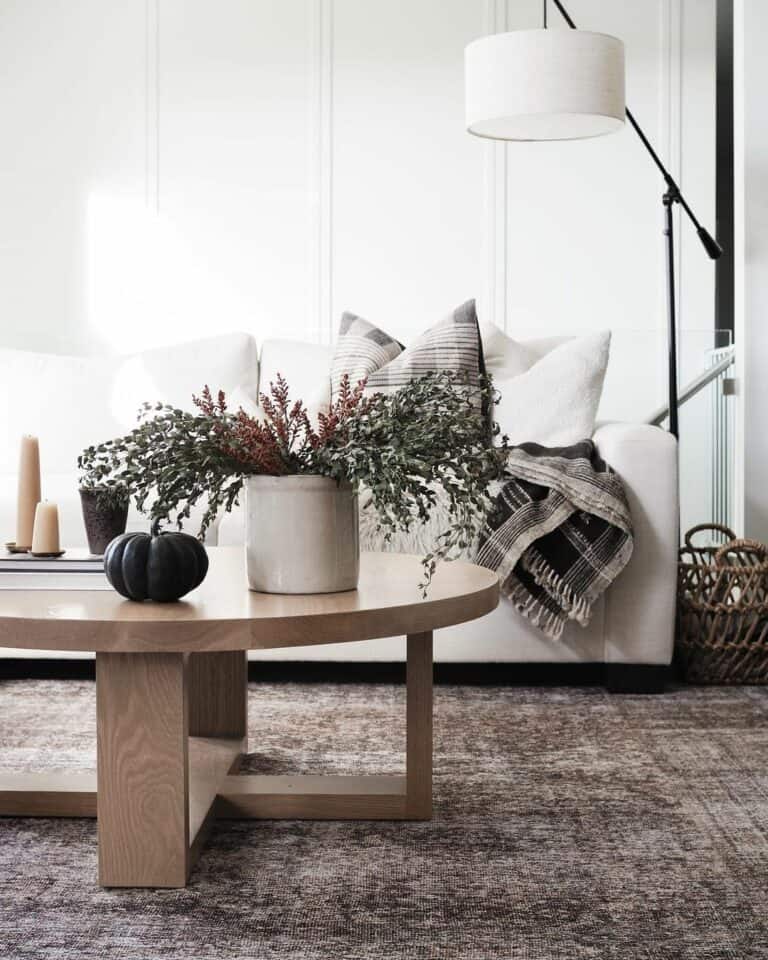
(672, 195)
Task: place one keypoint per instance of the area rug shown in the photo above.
(568, 824)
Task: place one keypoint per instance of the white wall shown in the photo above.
(175, 167)
(72, 123)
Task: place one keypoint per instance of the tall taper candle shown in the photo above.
(45, 538)
(29, 490)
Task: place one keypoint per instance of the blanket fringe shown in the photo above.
(548, 621)
(574, 607)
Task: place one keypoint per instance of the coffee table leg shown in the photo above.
(218, 709)
(143, 775)
(218, 694)
(367, 797)
(419, 727)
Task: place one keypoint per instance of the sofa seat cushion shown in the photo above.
(72, 402)
(61, 489)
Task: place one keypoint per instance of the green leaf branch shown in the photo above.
(403, 447)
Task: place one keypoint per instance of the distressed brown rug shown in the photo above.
(568, 824)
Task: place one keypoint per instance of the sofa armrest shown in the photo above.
(640, 605)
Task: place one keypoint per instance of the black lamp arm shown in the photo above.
(712, 247)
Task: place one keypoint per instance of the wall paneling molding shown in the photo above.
(496, 20)
(670, 124)
(321, 167)
(152, 105)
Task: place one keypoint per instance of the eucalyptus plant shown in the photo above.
(110, 493)
(404, 447)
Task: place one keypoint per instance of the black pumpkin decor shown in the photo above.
(155, 566)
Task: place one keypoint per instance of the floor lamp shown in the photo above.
(568, 85)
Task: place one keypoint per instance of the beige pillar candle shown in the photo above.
(45, 538)
(29, 490)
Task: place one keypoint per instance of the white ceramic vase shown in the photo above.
(301, 535)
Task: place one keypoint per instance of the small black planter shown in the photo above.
(102, 523)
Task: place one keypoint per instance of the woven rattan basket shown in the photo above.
(722, 609)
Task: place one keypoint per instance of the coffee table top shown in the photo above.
(223, 614)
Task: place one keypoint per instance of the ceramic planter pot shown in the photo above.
(102, 524)
(301, 535)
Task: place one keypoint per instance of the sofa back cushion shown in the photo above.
(72, 402)
(305, 366)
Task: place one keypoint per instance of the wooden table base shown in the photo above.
(171, 731)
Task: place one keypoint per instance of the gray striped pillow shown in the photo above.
(366, 352)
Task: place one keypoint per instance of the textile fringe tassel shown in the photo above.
(549, 622)
(574, 608)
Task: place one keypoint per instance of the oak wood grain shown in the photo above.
(143, 771)
(210, 761)
(419, 726)
(47, 794)
(218, 694)
(312, 797)
(222, 614)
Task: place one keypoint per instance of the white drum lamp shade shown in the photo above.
(544, 85)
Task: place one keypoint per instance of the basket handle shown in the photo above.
(718, 527)
(754, 547)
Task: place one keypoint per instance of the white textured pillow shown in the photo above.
(550, 389)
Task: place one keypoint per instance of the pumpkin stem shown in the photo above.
(155, 528)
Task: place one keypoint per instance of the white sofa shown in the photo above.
(70, 402)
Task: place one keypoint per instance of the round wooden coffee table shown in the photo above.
(171, 701)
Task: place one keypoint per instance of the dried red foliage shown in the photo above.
(331, 426)
(281, 443)
(207, 405)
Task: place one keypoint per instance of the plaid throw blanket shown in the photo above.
(559, 535)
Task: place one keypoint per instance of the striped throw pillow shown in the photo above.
(366, 352)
